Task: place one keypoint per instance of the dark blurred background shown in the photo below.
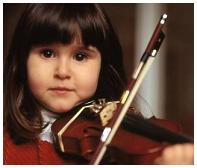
(169, 87)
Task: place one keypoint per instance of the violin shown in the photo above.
(112, 132)
(137, 141)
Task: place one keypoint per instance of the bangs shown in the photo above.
(64, 23)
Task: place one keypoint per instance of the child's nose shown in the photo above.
(62, 69)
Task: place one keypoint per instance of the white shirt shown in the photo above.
(48, 117)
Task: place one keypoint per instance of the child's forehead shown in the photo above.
(72, 45)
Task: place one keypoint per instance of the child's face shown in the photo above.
(60, 76)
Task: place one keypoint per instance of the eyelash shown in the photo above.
(83, 56)
(78, 55)
(44, 53)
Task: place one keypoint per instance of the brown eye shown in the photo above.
(81, 56)
(48, 53)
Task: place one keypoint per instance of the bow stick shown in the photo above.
(131, 90)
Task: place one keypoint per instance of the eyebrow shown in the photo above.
(77, 47)
(88, 48)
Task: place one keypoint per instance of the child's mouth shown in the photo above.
(61, 90)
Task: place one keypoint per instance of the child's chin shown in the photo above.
(61, 109)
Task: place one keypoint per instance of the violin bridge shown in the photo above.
(104, 110)
(107, 112)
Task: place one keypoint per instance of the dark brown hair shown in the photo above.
(42, 24)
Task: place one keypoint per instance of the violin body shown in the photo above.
(81, 138)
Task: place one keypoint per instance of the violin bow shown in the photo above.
(131, 90)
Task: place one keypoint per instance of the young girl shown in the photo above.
(61, 55)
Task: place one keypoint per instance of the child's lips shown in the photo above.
(61, 90)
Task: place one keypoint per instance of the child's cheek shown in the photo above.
(88, 87)
(37, 75)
